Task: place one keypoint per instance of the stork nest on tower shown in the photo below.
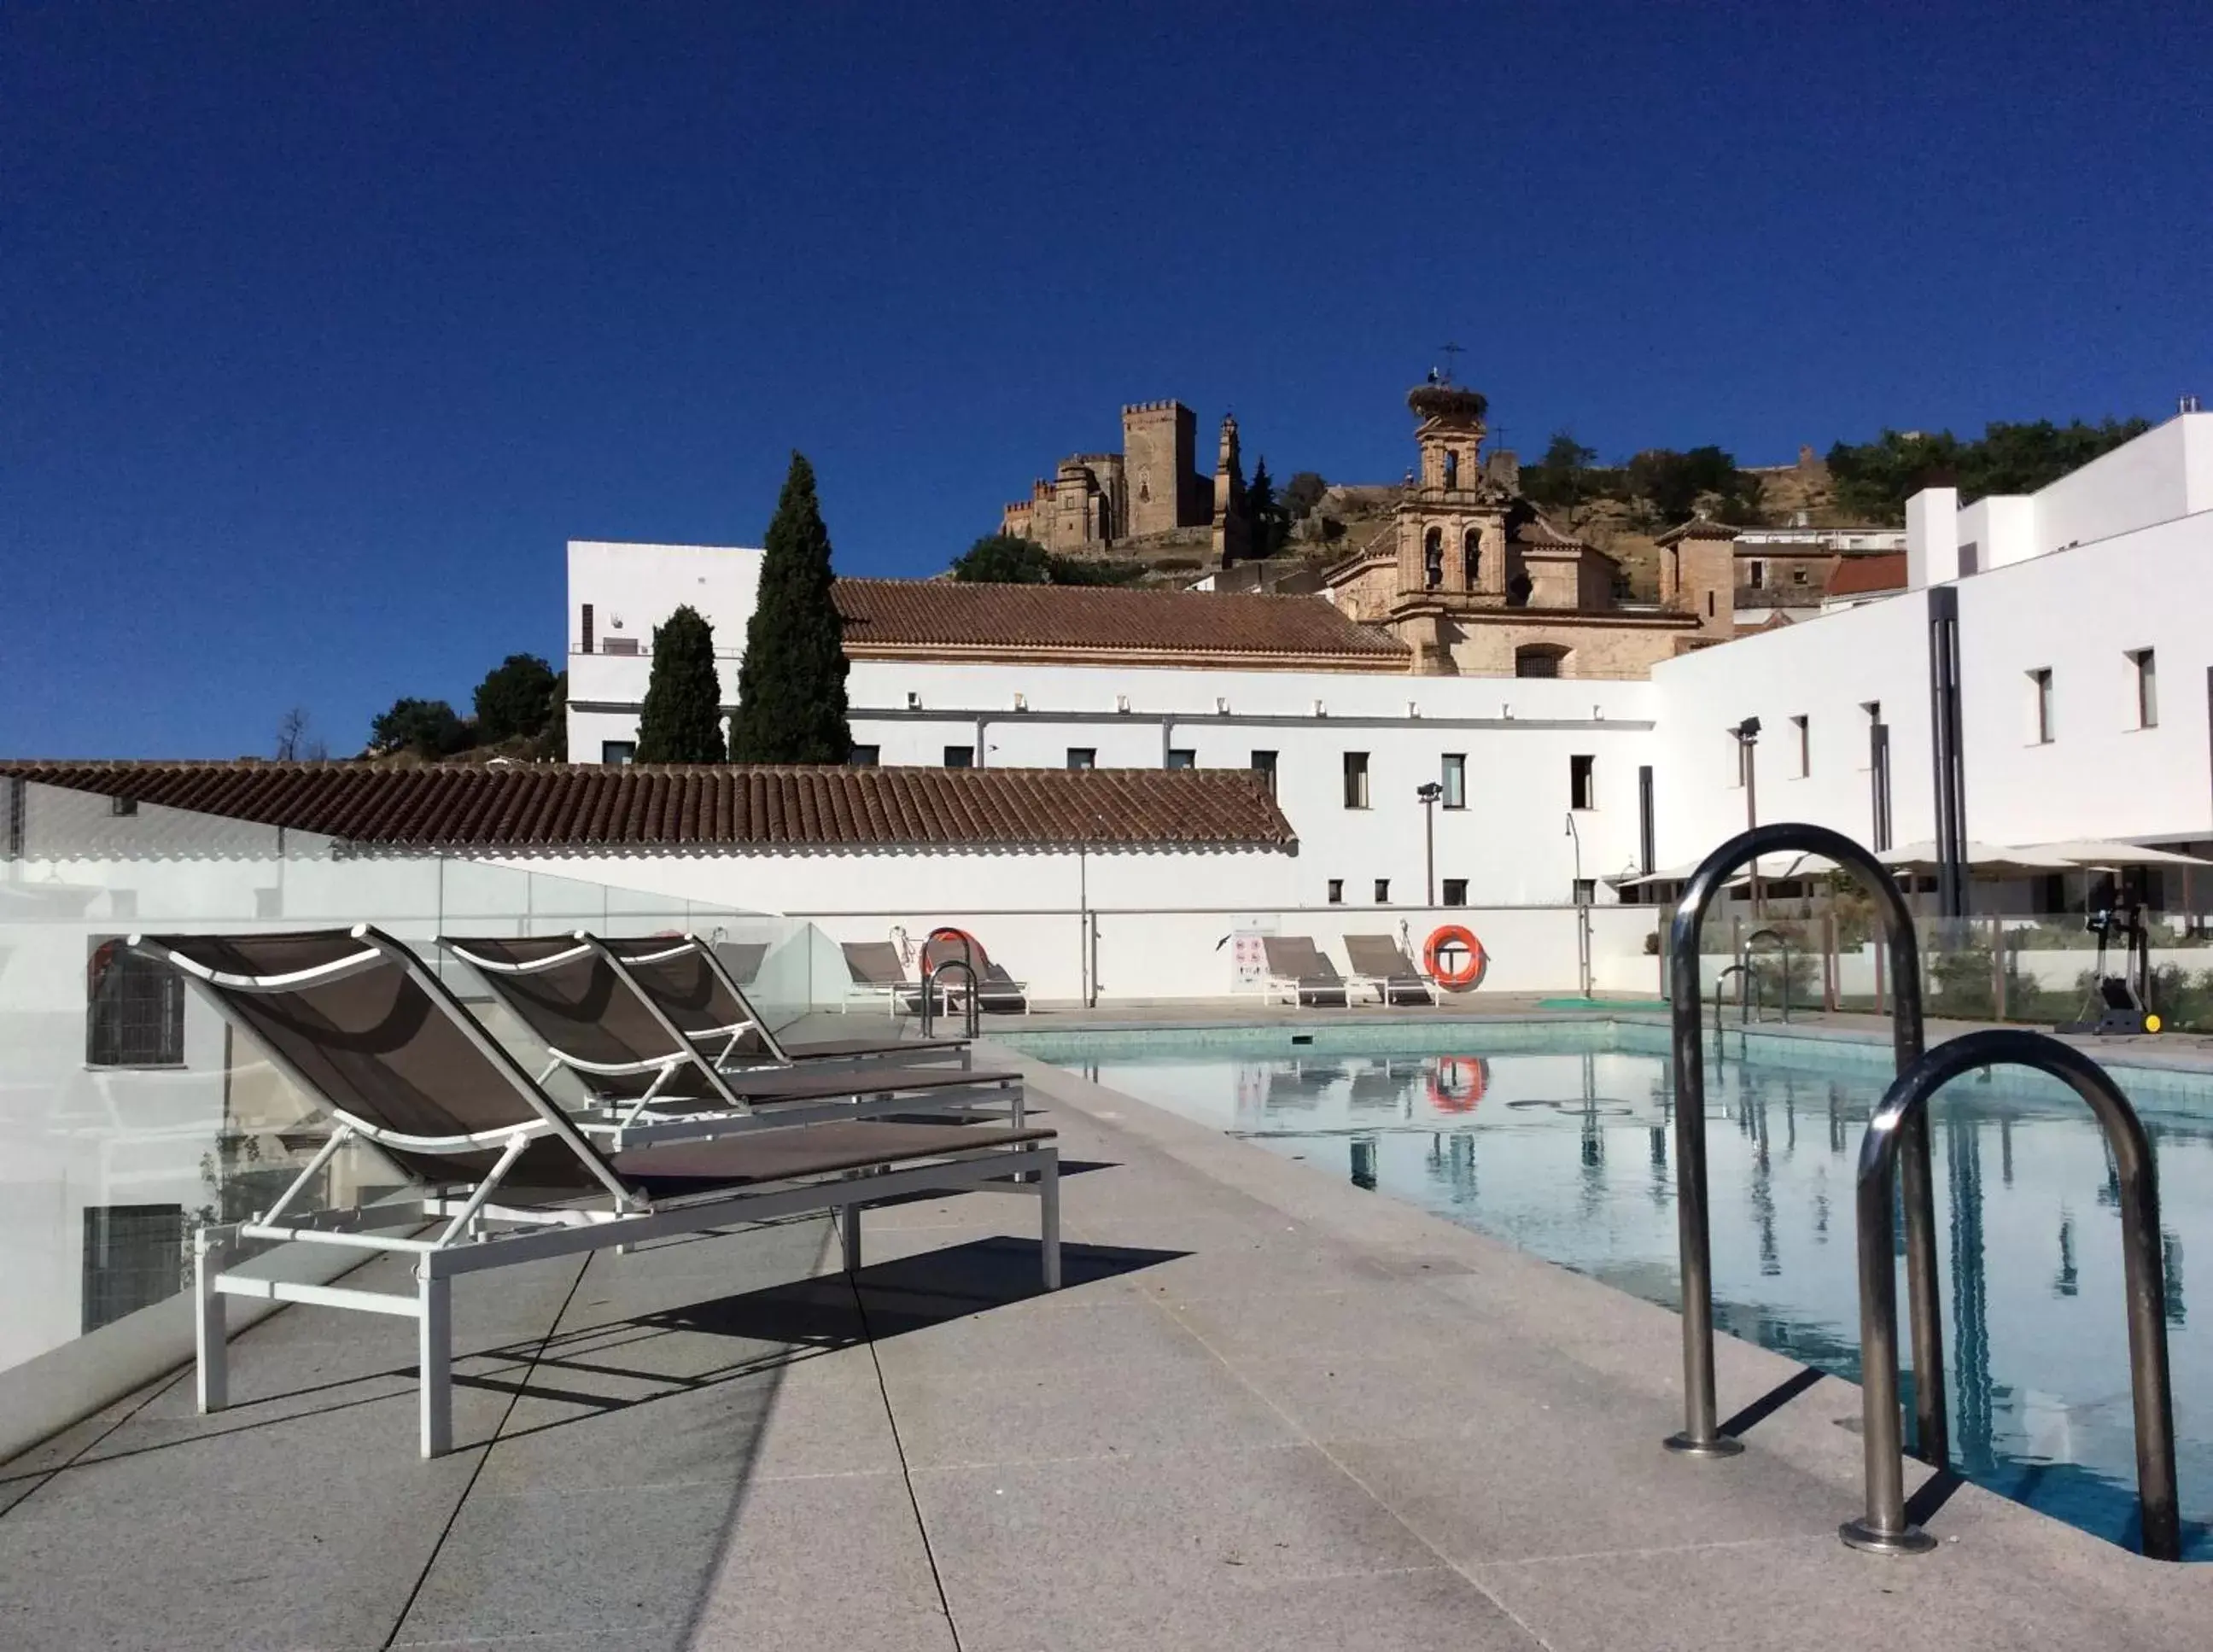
(1447, 401)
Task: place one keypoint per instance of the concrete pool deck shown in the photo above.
(1269, 1410)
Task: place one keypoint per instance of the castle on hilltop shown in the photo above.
(1097, 500)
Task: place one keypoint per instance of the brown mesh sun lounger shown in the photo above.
(876, 966)
(358, 1023)
(1380, 962)
(1302, 973)
(996, 992)
(654, 1026)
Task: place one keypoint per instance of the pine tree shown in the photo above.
(1270, 523)
(792, 690)
(682, 722)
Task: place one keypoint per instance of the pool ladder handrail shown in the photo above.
(1720, 981)
(1884, 1529)
(972, 1011)
(1701, 1434)
(1752, 975)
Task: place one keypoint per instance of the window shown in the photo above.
(1757, 571)
(618, 751)
(1586, 891)
(1382, 892)
(2039, 706)
(960, 757)
(1265, 763)
(1433, 558)
(1356, 780)
(863, 756)
(134, 1010)
(1802, 740)
(1455, 892)
(1336, 891)
(1182, 757)
(1538, 659)
(1083, 757)
(1455, 780)
(1452, 470)
(134, 1257)
(1709, 605)
(1583, 782)
(1797, 576)
(619, 645)
(1471, 558)
(587, 628)
(2147, 676)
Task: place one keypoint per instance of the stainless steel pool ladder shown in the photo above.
(1884, 1528)
(973, 1012)
(1701, 1436)
(1752, 975)
(1720, 981)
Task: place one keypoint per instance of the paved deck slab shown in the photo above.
(1268, 1410)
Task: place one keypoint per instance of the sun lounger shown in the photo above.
(998, 993)
(358, 1023)
(1380, 962)
(742, 959)
(876, 967)
(1302, 973)
(654, 1029)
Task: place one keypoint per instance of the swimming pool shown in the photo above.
(1556, 1139)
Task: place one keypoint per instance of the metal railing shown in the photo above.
(972, 1011)
(1744, 1011)
(1884, 1528)
(1752, 975)
(1701, 1436)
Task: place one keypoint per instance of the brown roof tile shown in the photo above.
(907, 617)
(1697, 528)
(730, 805)
(1865, 576)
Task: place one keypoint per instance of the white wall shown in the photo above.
(631, 589)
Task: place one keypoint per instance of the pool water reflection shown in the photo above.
(1571, 1156)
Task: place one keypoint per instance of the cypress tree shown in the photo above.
(683, 718)
(791, 690)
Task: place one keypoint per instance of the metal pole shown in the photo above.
(1701, 1436)
(1429, 851)
(1884, 1528)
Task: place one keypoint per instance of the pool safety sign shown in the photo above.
(1247, 959)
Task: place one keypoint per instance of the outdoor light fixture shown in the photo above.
(1748, 730)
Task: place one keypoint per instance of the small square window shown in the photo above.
(1455, 892)
(1382, 892)
(618, 751)
(863, 756)
(1182, 757)
(960, 757)
(1083, 757)
(1582, 782)
(1336, 891)
(122, 805)
(1455, 780)
(1586, 891)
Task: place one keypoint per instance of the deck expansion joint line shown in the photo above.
(513, 1398)
(906, 1473)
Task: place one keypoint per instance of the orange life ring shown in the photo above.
(1457, 1083)
(1469, 974)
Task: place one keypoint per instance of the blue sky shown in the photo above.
(322, 327)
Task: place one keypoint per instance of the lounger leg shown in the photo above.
(433, 1333)
(1049, 1218)
(209, 1329)
(849, 1235)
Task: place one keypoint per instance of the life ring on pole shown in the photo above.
(1464, 976)
(1457, 1083)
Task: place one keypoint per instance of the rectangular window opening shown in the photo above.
(863, 756)
(1582, 782)
(1586, 891)
(618, 751)
(1802, 740)
(1182, 757)
(2039, 706)
(960, 757)
(1455, 780)
(1083, 757)
(587, 628)
(1356, 780)
(134, 1009)
(1382, 892)
(1265, 763)
(1336, 891)
(1455, 892)
(2146, 661)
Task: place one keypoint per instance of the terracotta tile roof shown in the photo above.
(901, 617)
(1696, 528)
(576, 805)
(1866, 576)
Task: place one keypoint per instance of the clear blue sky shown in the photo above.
(323, 327)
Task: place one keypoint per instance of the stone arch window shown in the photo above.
(1452, 470)
(1433, 558)
(1540, 659)
(1471, 556)
(1144, 487)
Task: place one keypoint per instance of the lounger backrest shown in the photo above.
(742, 959)
(578, 1006)
(875, 963)
(373, 1045)
(677, 975)
(1295, 957)
(1378, 955)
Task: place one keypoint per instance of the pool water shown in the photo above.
(1570, 1155)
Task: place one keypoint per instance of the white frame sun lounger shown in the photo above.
(355, 1021)
(1387, 968)
(1302, 972)
(865, 962)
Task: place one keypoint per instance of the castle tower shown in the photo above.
(1451, 519)
(1160, 468)
(1698, 575)
(1232, 533)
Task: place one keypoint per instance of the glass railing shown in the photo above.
(128, 1111)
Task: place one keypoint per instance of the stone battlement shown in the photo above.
(1130, 407)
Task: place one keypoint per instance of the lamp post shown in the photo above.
(1747, 741)
(1428, 791)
